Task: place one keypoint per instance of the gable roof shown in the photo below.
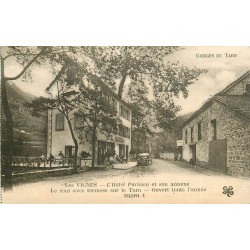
(103, 86)
(234, 83)
(239, 103)
(199, 111)
(108, 90)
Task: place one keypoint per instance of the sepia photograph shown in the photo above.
(125, 124)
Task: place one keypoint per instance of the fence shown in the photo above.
(40, 162)
(86, 162)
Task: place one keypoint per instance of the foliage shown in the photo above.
(122, 66)
(95, 109)
(165, 140)
(142, 118)
(98, 112)
(66, 100)
(85, 155)
(146, 80)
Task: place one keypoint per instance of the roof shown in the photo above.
(199, 111)
(103, 86)
(108, 90)
(233, 83)
(238, 103)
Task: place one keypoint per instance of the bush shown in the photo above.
(85, 155)
(191, 161)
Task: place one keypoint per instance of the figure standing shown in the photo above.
(51, 159)
(60, 156)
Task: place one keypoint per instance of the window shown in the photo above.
(247, 90)
(69, 151)
(186, 136)
(59, 122)
(120, 110)
(213, 130)
(199, 131)
(124, 131)
(192, 134)
(124, 112)
(128, 115)
(114, 103)
(120, 130)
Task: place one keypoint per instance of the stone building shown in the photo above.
(59, 137)
(217, 136)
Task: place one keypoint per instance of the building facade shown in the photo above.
(59, 136)
(217, 136)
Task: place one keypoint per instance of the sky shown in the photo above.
(222, 70)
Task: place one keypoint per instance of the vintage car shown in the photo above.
(144, 159)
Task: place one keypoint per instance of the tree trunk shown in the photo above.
(9, 130)
(75, 143)
(94, 134)
(138, 142)
(75, 157)
(93, 146)
(9, 118)
(124, 73)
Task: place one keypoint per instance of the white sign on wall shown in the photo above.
(179, 143)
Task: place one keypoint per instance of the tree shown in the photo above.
(56, 58)
(26, 58)
(66, 102)
(131, 66)
(87, 102)
(141, 134)
(142, 118)
(165, 139)
(97, 110)
(113, 65)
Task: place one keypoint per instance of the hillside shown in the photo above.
(29, 131)
(179, 121)
(165, 141)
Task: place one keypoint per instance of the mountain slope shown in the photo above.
(28, 130)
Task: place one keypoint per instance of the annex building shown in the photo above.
(217, 136)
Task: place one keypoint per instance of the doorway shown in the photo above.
(101, 152)
(217, 157)
(69, 151)
(193, 154)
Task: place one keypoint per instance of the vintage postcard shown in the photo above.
(125, 124)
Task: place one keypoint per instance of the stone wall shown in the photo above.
(231, 125)
(167, 155)
(239, 88)
(202, 145)
(236, 129)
